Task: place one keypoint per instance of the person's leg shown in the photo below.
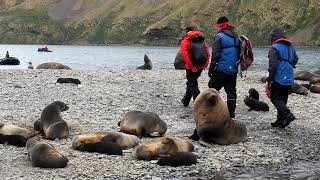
(288, 116)
(216, 81)
(230, 88)
(188, 95)
(194, 85)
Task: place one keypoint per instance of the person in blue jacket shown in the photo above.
(224, 62)
(282, 60)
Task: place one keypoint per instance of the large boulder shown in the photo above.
(179, 62)
(52, 65)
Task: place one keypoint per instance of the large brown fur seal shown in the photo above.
(304, 75)
(42, 154)
(299, 89)
(52, 65)
(51, 125)
(213, 122)
(142, 123)
(125, 141)
(14, 135)
(147, 64)
(163, 146)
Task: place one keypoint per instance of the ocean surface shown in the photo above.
(124, 57)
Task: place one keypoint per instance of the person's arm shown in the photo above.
(273, 59)
(216, 52)
(185, 47)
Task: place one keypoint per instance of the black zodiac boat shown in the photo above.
(9, 61)
(43, 50)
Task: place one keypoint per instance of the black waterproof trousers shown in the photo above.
(192, 84)
(279, 97)
(228, 82)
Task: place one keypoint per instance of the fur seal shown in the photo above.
(179, 62)
(317, 72)
(163, 146)
(52, 65)
(14, 135)
(213, 122)
(315, 80)
(178, 159)
(303, 75)
(42, 154)
(264, 79)
(315, 88)
(253, 101)
(51, 125)
(69, 80)
(299, 89)
(142, 123)
(253, 93)
(30, 66)
(147, 64)
(124, 141)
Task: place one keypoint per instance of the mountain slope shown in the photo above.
(159, 22)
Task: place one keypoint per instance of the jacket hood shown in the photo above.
(192, 34)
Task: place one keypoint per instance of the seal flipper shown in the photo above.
(194, 136)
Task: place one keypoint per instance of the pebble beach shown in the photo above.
(103, 98)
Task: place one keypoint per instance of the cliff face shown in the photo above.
(159, 22)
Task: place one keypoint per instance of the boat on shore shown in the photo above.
(43, 50)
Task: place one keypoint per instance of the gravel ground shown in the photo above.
(105, 96)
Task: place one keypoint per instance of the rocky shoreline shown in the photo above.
(105, 96)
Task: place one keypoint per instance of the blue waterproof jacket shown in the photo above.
(230, 50)
(284, 74)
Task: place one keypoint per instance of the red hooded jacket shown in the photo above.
(185, 50)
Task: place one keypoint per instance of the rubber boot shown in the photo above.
(288, 117)
(278, 122)
(186, 99)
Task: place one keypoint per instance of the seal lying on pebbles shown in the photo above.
(178, 159)
(52, 65)
(125, 141)
(51, 125)
(303, 75)
(69, 80)
(253, 101)
(142, 124)
(14, 135)
(315, 80)
(147, 64)
(163, 146)
(42, 154)
(315, 88)
(299, 89)
(213, 122)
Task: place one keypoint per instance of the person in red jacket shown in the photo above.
(193, 72)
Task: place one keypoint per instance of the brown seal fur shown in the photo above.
(125, 141)
(51, 125)
(315, 88)
(304, 75)
(52, 65)
(315, 80)
(42, 154)
(163, 146)
(14, 135)
(299, 89)
(213, 122)
(147, 64)
(142, 123)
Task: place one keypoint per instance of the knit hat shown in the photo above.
(277, 33)
(222, 21)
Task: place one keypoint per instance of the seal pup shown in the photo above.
(213, 122)
(125, 141)
(51, 125)
(42, 154)
(52, 65)
(178, 159)
(69, 80)
(299, 89)
(14, 135)
(304, 75)
(253, 102)
(163, 146)
(142, 123)
(315, 88)
(30, 66)
(147, 64)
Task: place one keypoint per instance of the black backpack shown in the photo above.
(198, 52)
